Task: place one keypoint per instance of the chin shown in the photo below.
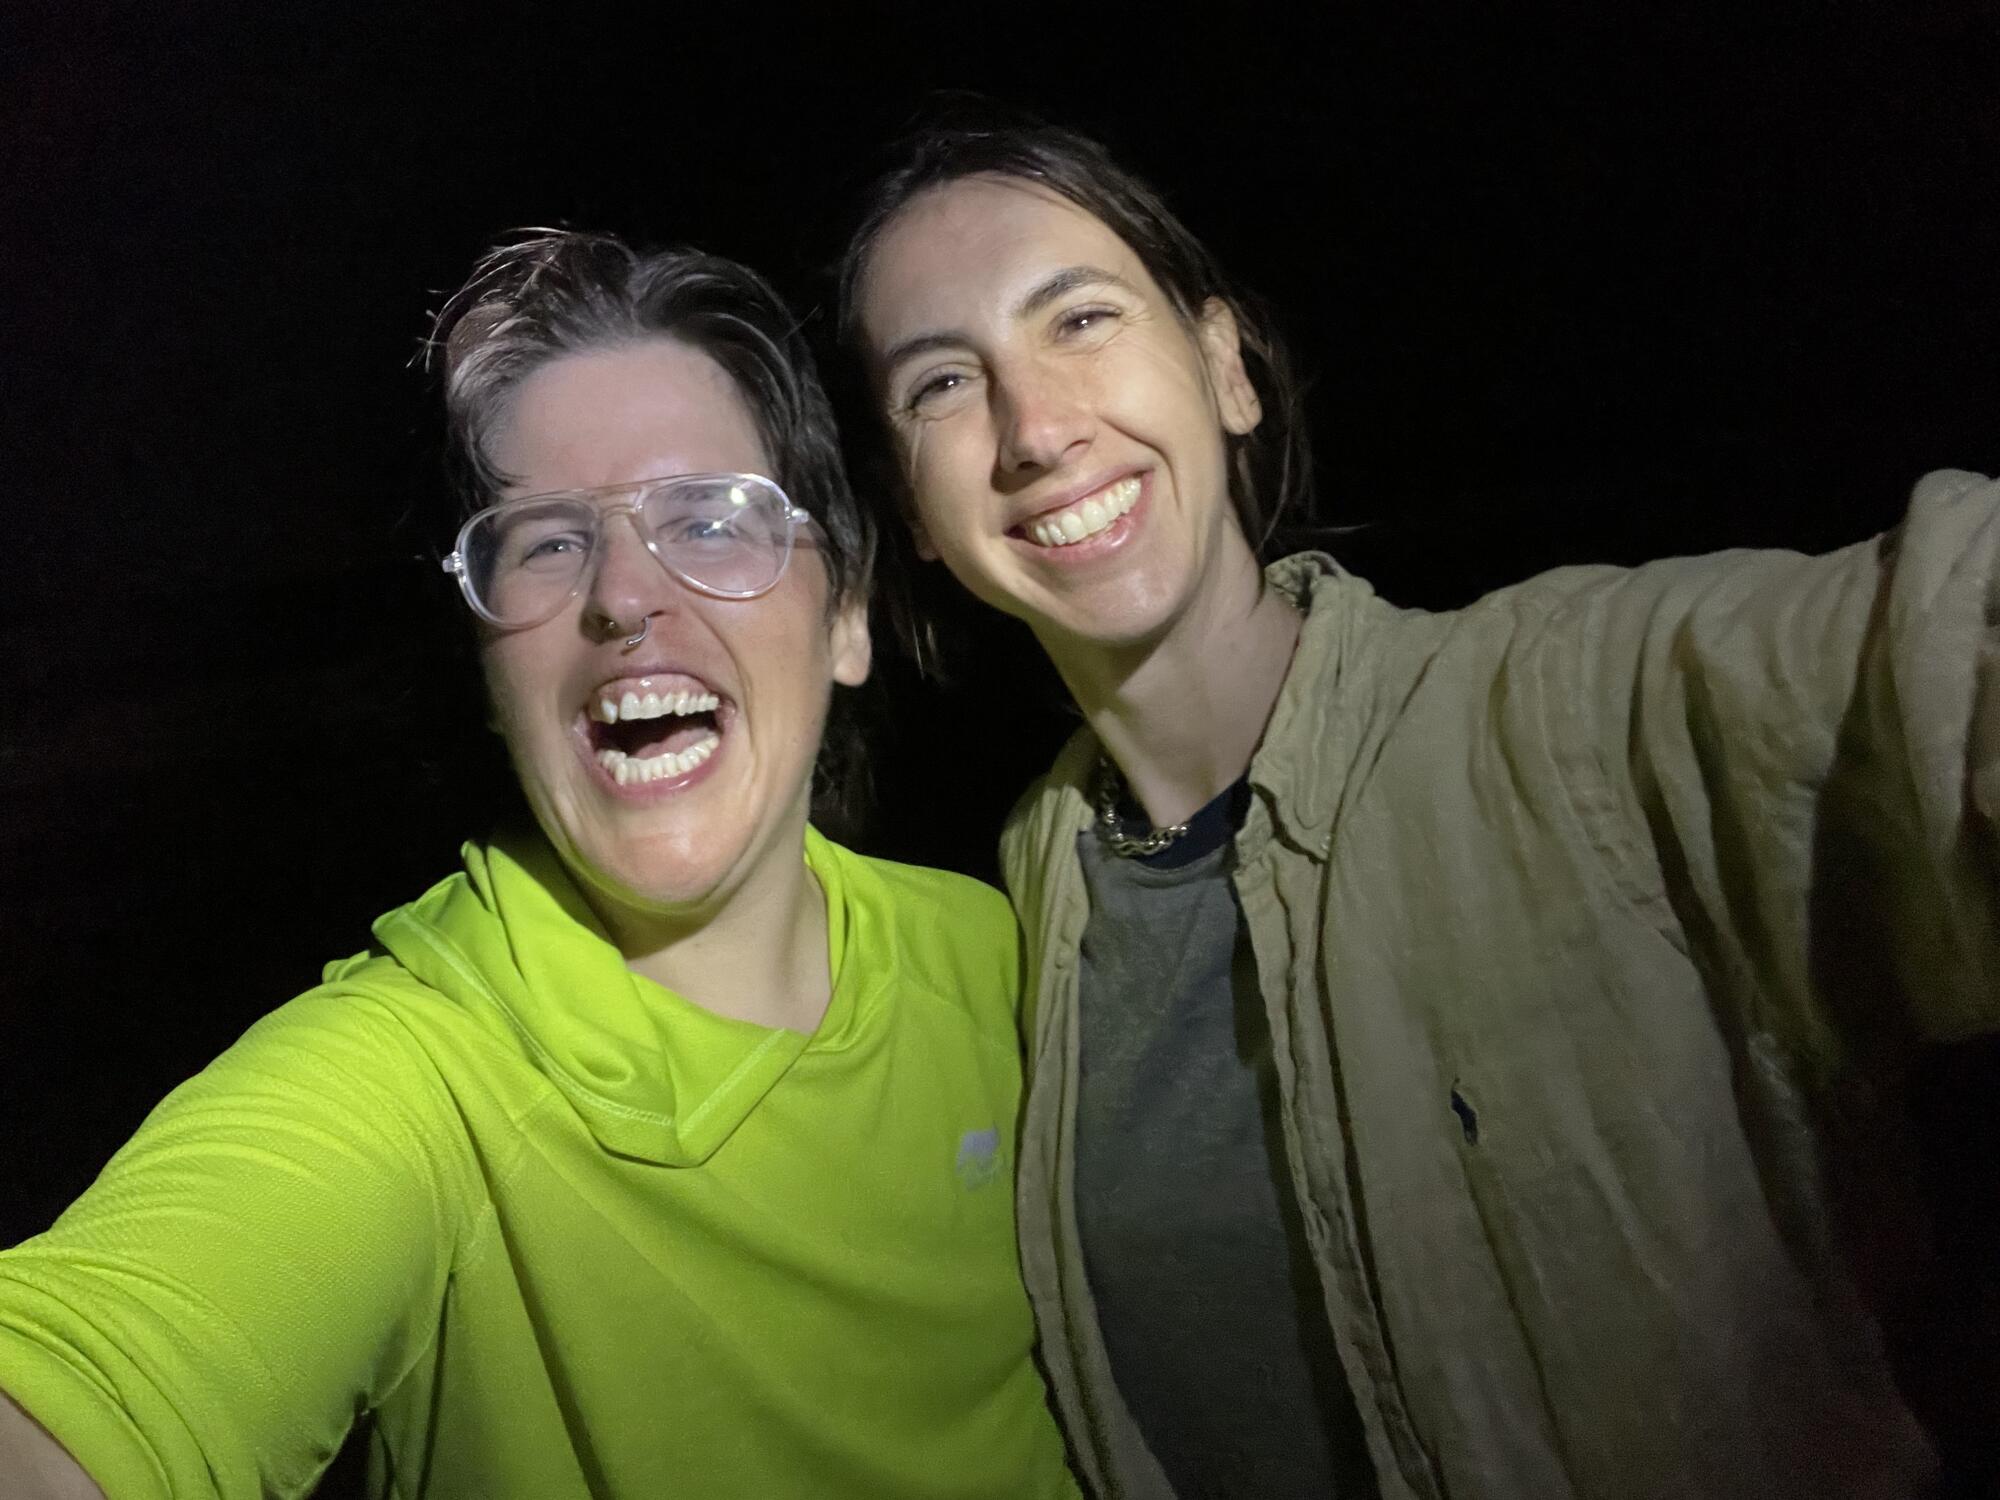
(661, 869)
(658, 876)
(1127, 612)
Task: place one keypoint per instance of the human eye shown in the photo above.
(705, 518)
(929, 390)
(539, 541)
(1080, 320)
(699, 529)
(561, 544)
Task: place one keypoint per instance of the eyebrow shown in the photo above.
(1052, 288)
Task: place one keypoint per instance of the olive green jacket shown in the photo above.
(1593, 923)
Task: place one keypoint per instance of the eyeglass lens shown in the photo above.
(728, 534)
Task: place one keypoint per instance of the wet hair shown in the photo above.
(1270, 467)
(548, 293)
(542, 294)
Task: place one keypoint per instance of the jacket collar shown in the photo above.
(1300, 764)
(653, 1075)
(1302, 761)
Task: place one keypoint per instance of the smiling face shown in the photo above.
(749, 679)
(1063, 429)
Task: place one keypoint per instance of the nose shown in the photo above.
(1040, 417)
(627, 584)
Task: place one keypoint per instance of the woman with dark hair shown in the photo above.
(666, 1149)
(1459, 1043)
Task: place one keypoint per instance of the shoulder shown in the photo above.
(371, 1043)
(921, 895)
(326, 1124)
(391, 1038)
(936, 929)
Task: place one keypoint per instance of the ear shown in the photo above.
(926, 548)
(848, 641)
(1222, 351)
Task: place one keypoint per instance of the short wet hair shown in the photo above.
(541, 294)
(545, 293)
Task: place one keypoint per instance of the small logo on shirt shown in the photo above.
(978, 1157)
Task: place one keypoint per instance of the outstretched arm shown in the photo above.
(1812, 746)
(264, 1258)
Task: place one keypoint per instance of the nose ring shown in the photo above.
(645, 626)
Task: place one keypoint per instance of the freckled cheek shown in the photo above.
(503, 694)
(948, 473)
(946, 452)
(787, 712)
(1156, 385)
(516, 709)
(782, 650)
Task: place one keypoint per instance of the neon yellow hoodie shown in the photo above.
(564, 1232)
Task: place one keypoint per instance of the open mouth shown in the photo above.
(639, 734)
(1082, 519)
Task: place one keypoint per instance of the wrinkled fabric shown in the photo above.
(1594, 924)
(563, 1232)
(1198, 1267)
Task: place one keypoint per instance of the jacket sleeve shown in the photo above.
(259, 1263)
(1788, 756)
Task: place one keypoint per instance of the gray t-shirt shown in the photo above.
(1191, 1236)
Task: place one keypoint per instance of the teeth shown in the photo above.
(627, 770)
(609, 710)
(1088, 516)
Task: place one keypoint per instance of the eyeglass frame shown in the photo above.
(641, 489)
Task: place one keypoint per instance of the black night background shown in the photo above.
(1587, 282)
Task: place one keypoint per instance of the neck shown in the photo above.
(760, 956)
(1182, 714)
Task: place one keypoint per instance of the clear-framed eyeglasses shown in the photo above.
(729, 535)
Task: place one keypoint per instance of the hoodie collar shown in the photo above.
(653, 1075)
(1300, 764)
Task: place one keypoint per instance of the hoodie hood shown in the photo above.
(653, 1075)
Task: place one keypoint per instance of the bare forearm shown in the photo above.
(33, 1465)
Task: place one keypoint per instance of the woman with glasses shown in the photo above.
(1460, 1044)
(666, 1149)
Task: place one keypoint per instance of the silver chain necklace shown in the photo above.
(1109, 828)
